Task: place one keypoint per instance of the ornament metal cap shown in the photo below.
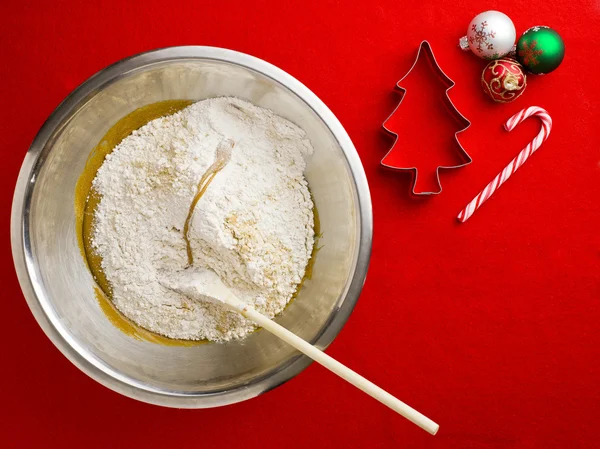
(463, 43)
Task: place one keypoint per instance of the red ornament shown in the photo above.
(503, 80)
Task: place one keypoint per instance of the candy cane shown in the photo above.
(513, 166)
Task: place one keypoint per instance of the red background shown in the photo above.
(489, 327)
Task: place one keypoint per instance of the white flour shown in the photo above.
(253, 226)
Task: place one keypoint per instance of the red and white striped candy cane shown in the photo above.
(514, 165)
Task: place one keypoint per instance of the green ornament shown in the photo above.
(540, 50)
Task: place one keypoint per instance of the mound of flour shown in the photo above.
(253, 226)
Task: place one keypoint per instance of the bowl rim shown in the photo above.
(27, 271)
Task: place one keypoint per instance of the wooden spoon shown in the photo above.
(205, 285)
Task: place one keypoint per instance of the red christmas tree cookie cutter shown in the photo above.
(391, 158)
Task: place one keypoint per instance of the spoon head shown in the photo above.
(197, 284)
(201, 284)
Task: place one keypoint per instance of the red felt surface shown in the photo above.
(488, 327)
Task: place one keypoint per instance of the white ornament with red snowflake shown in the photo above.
(491, 35)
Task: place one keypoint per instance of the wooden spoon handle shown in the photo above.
(341, 370)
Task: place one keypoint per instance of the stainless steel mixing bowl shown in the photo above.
(59, 287)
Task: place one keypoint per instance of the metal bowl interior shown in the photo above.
(59, 287)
